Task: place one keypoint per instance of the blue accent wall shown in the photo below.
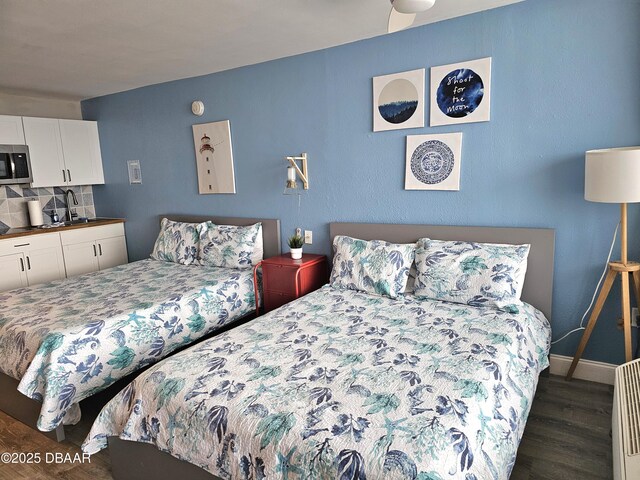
(565, 80)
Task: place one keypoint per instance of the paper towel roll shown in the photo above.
(35, 213)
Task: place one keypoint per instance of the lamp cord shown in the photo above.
(595, 293)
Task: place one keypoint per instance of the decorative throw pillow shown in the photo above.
(374, 266)
(477, 274)
(230, 246)
(177, 242)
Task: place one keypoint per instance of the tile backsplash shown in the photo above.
(13, 203)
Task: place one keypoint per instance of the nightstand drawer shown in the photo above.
(273, 300)
(280, 278)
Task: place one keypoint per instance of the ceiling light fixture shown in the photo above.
(403, 13)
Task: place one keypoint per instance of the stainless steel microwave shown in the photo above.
(15, 165)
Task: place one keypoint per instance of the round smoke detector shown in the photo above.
(197, 107)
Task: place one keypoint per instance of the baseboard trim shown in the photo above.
(586, 370)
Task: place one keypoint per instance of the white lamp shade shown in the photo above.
(612, 175)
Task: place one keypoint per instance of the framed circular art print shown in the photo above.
(461, 93)
(398, 101)
(433, 162)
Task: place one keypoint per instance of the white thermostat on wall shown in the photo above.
(197, 107)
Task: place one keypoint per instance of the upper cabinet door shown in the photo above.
(11, 132)
(45, 149)
(81, 148)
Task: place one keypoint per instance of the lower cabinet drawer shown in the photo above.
(273, 300)
(90, 234)
(29, 242)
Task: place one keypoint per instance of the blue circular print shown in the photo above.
(460, 93)
(432, 162)
(398, 101)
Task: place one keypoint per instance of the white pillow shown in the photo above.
(230, 246)
(477, 274)
(177, 242)
(375, 266)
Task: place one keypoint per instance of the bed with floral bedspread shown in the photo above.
(66, 340)
(346, 385)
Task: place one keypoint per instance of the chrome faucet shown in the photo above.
(71, 214)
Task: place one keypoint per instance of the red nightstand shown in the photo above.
(285, 279)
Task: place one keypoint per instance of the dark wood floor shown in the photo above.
(568, 434)
(567, 437)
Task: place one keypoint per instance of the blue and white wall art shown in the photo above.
(398, 101)
(461, 92)
(433, 162)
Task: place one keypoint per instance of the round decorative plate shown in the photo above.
(432, 162)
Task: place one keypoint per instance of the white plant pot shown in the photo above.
(296, 253)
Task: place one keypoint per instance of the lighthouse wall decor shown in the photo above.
(214, 157)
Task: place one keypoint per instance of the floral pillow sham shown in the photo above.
(477, 274)
(230, 246)
(177, 242)
(374, 266)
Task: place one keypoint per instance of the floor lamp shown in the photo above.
(613, 176)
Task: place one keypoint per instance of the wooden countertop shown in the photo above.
(26, 231)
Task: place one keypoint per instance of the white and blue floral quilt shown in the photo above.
(69, 339)
(344, 385)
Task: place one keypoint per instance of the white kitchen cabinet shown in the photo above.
(63, 152)
(31, 260)
(44, 257)
(45, 149)
(45, 264)
(11, 132)
(81, 258)
(13, 272)
(112, 252)
(81, 148)
(92, 249)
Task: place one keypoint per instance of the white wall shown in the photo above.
(34, 106)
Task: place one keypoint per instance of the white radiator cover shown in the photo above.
(626, 422)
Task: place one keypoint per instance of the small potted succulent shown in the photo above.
(295, 244)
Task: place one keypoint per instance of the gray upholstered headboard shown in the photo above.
(538, 285)
(270, 228)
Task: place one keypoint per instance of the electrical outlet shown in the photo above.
(308, 237)
(634, 317)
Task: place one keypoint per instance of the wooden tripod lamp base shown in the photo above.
(625, 271)
(629, 272)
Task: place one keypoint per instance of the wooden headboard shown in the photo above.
(538, 284)
(270, 228)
